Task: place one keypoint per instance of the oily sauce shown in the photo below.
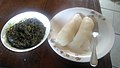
(25, 34)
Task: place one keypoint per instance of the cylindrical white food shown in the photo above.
(67, 33)
(84, 33)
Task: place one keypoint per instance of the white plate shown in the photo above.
(106, 34)
(22, 16)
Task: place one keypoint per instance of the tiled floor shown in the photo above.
(111, 10)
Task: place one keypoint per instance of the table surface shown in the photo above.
(43, 56)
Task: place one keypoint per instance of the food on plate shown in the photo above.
(25, 34)
(83, 34)
(67, 33)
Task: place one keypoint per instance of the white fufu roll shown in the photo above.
(84, 33)
(67, 33)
